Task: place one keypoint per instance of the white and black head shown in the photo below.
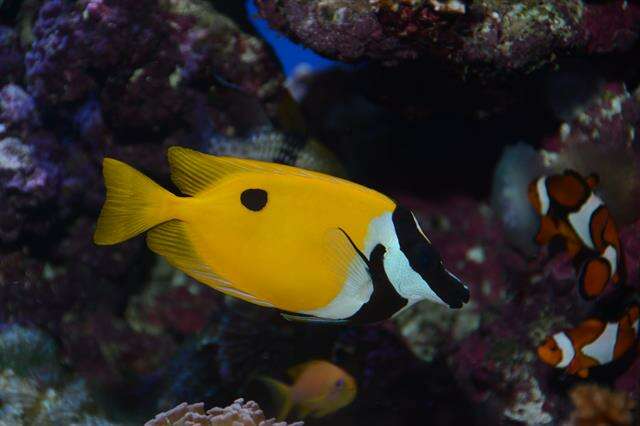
(429, 279)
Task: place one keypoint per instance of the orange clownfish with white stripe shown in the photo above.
(569, 208)
(318, 248)
(592, 343)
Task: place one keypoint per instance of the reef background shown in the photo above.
(434, 93)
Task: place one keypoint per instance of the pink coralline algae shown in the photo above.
(240, 413)
(490, 36)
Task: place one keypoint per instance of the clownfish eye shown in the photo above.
(339, 384)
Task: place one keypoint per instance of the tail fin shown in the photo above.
(281, 395)
(134, 204)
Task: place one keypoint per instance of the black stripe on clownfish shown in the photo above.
(569, 208)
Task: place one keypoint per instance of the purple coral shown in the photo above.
(91, 46)
(27, 183)
(17, 108)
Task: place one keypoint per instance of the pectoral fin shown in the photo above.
(548, 230)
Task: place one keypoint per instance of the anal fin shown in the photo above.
(312, 319)
(171, 241)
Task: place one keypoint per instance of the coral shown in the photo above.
(489, 36)
(145, 76)
(240, 413)
(106, 349)
(597, 405)
(17, 109)
(26, 402)
(28, 183)
(33, 389)
(28, 352)
(171, 301)
(212, 45)
(90, 46)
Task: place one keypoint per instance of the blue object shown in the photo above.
(290, 54)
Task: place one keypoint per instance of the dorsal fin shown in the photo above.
(194, 171)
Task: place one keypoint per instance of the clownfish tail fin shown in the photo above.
(134, 204)
(281, 395)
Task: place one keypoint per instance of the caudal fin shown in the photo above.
(134, 204)
(281, 395)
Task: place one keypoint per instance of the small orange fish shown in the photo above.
(592, 343)
(569, 208)
(319, 388)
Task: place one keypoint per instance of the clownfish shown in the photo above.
(592, 343)
(316, 247)
(569, 208)
(319, 388)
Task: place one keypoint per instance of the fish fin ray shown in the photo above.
(134, 203)
(348, 264)
(170, 240)
(281, 394)
(312, 319)
(194, 172)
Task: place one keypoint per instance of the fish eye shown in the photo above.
(339, 384)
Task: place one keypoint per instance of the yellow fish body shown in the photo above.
(315, 246)
(319, 388)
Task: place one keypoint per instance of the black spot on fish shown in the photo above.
(426, 261)
(254, 199)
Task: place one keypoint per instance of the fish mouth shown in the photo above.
(452, 290)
